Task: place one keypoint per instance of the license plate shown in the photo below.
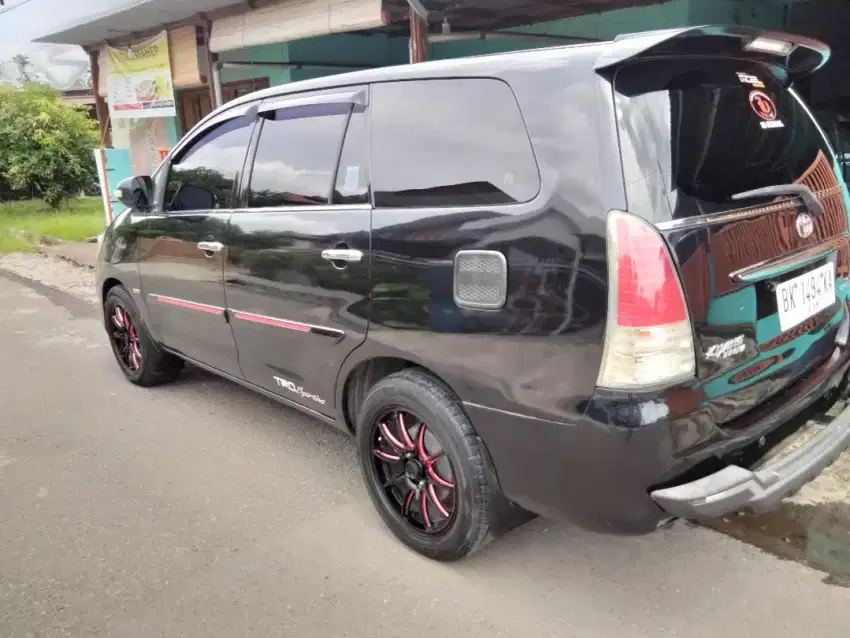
(804, 296)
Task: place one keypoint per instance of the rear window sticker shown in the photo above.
(764, 107)
(747, 78)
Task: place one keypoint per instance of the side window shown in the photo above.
(204, 176)
(296, 157)
(352, 178)
(450, 143)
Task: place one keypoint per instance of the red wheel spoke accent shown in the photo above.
(389, 437)
(424, 505)
(405, 435)
(432, 493)
(392, 458)
(118, 317)
(419, 490)
(420, 444)
(439, 480)
(407, 501)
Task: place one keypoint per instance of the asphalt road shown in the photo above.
(201, 509)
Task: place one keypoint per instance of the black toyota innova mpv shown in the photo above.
(600, 282)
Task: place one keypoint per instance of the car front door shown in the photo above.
(297, 272)
(182, 248)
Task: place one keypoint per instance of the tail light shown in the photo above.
(648, 338)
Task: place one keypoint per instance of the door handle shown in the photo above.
(210, 247)
(348, 255)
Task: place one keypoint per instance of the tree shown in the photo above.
(45, 145)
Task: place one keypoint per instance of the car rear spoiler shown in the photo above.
(798, 55)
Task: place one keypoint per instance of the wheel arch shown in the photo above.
(359, 374)
(108, 284)
(358, 377)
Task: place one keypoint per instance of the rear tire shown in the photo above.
(140, 359)
(390, 424)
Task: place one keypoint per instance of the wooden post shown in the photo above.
(213, 74)
(418, 38)
(100, 106)
(102, 111)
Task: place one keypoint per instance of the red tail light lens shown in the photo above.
(649, 289)
(648, 338)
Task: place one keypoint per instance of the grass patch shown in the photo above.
(10, 244)
(79, 219)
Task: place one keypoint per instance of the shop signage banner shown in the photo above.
(139, 80)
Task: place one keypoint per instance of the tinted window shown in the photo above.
(352, 179)
(450, 143)
(296, 158)
(205, 175)
(694, 134)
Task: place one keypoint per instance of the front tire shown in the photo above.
(424, 466)
(140, 359)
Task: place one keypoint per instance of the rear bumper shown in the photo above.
(614, 479)
(736, 489)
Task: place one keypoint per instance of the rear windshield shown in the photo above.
(695, 132)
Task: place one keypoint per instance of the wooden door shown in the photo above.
(195, 105)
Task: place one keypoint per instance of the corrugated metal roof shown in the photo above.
(121, 18)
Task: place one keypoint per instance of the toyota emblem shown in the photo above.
(805, 225)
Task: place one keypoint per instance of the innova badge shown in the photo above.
(805, 225)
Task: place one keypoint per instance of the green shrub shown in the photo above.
(45, 145)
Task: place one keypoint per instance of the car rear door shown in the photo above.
(297, 271)
(183, 243)
(744, 186)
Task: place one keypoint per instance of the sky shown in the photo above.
(23, 20)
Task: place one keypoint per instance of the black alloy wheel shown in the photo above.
(424, 466)
(125, 340)
(141, 360)
(412, 469)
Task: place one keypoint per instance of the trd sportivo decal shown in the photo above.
(299, 390)
(297, 326)
(189, 305)
(726, 349)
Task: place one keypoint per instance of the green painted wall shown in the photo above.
(752, 13)
(372, 50)
(602, 26)
(172, 128)
(382, 50)
(266, 53)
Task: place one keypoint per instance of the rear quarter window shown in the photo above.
(459, 142)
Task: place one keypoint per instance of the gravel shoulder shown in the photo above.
(52, 272)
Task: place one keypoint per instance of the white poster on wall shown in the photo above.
(138, 81)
